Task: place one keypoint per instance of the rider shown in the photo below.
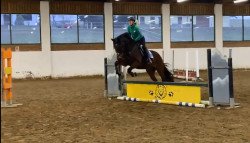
(136, 35)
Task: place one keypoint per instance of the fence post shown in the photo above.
(6, 75)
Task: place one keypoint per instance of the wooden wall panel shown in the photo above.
(63, 47)
(192, 44)
(154, 45)
(237, 44)
(20, 6)
(136, 8)
(233, 9)
(76, 7)
(24, 47)
(192, 9)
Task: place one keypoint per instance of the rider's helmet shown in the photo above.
(131, 19)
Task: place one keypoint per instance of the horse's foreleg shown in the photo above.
(130, 72)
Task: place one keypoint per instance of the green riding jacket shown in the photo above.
(134, 32)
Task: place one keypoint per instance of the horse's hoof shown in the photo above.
(135, 74)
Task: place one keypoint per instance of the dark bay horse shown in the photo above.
(129, 54)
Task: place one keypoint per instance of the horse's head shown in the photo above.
(120, 49)
(122, 45)
(118, 46)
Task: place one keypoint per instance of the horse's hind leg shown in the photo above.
(130, 72)
(151, 73)
(161, 72)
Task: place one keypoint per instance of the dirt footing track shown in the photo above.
(74, 110)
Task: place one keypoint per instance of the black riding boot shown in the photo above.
(146, 54)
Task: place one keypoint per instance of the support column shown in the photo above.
(45, 36)
(108, 16)
(45, 26)
(218, 27)
(113, 81)
(166, 34)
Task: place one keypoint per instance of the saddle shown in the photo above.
(139, 54)
(143, 52)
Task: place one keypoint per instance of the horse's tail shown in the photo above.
(168, 74)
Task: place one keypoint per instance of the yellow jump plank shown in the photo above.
(168, 93)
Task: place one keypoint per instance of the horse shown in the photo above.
(130, 54)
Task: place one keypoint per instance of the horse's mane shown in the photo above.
(124, 35)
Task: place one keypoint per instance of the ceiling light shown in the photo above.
(239, 1)
(181, 0)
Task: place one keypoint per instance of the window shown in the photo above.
(77, 29)
(181, 28)
(25, 28)
(120, 24)
(246, 27)
(91, 29)
(63, 28)
(232, 28)
(203, 28)
(192, 28)
(150, 27)
(236, 28)
(5, 29)
(20, 28)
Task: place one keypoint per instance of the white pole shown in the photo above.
(187, 65)
(230, 53)
(124, 72)
(197, 65)
(173, 62)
